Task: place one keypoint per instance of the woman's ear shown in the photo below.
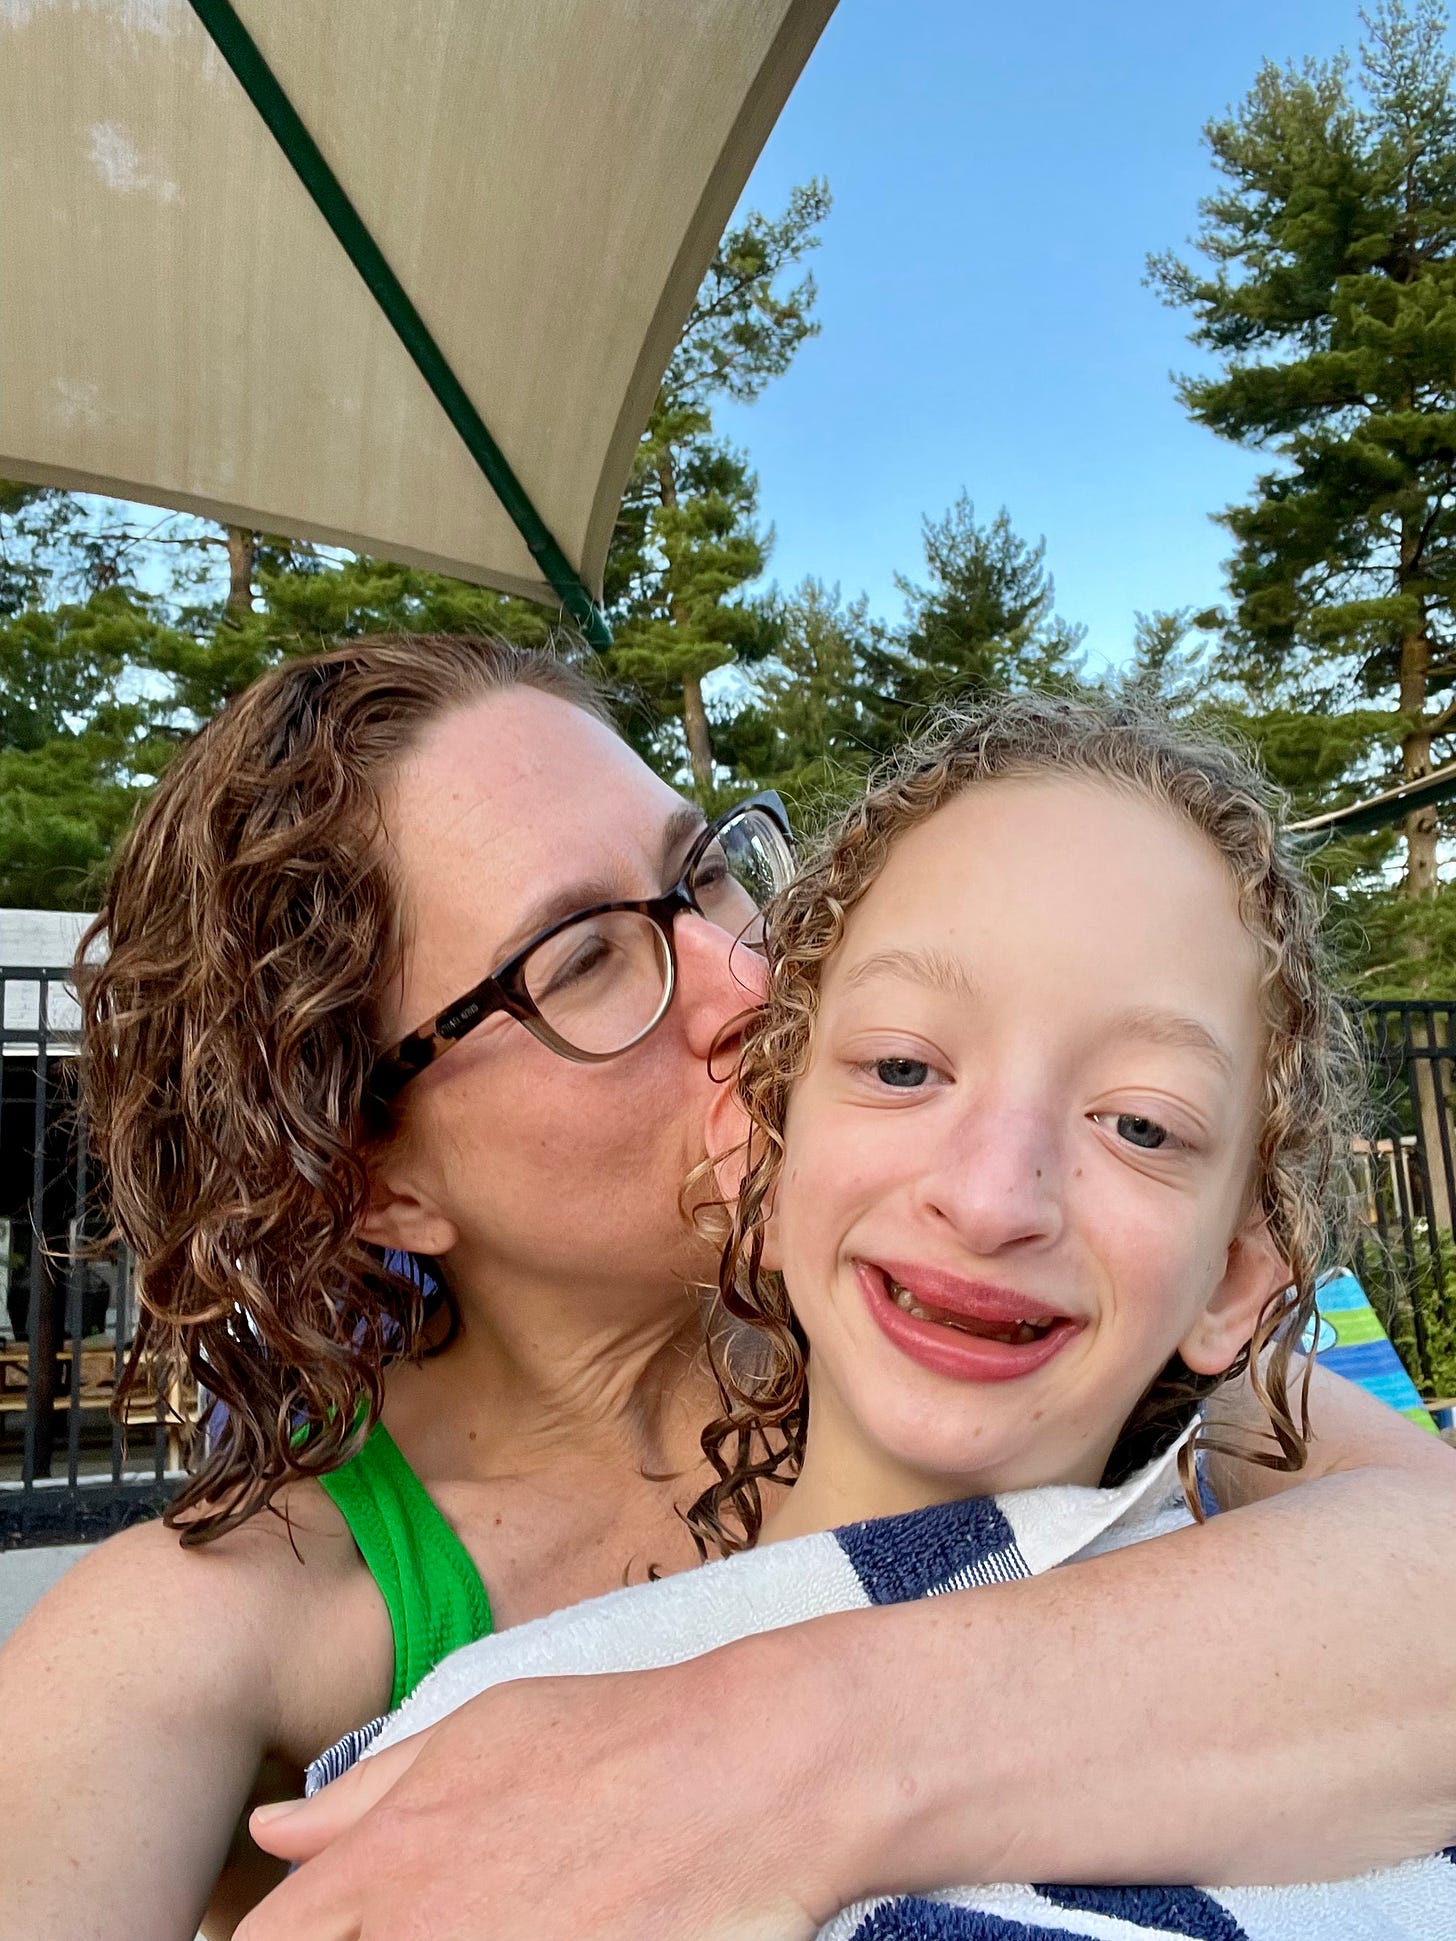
(401, 1212)
(1254, 1272)
(727, 1137)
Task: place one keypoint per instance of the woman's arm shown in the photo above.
(1350, 1431)
(143, 1697)
(1267, 1697)
(129, 1705)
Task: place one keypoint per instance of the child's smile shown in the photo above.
(970, 1330)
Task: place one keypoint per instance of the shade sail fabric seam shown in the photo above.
(308, 163)
(229, 512)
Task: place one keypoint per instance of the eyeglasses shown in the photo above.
(594, 984)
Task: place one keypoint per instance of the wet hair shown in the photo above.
(231, 990)
(1312, 1086)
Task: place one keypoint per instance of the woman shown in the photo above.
(313, 890)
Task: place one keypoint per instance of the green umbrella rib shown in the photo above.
(262, 87)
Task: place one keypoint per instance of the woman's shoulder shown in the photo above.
(298, 1540)
(253, 1621)
(213, 1664)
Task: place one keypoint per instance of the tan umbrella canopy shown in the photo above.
(398, 275)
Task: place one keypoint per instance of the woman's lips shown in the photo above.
(967, 1331)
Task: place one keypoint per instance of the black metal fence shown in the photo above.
(1407, 1171)
(68, 1470)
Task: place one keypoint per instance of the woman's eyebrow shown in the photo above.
(682, 825)
(680, 828)
(563, 902)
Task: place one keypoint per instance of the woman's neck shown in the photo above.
(564, 1391)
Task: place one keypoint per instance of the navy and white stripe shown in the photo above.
(949, 1548)
(1414, 1902)
(928, 1553)
(349, 1750)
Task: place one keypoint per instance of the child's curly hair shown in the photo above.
(1313, 1082)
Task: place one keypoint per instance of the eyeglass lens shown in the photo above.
(604, 982)
(741, 871)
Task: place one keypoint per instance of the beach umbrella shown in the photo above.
(397, 275)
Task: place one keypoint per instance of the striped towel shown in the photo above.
(890, 1561)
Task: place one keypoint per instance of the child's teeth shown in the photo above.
(904, 1299)
(1017, 1333)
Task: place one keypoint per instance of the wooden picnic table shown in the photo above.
(97, 1390)
(98, 1375)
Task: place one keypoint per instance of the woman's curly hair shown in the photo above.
(231, 990)
(1313, 1080)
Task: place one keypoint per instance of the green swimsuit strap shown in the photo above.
(425, 1575)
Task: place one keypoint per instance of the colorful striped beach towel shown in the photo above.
(1354, 1344)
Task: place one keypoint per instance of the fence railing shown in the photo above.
(1407, 1169)
(69, 1471)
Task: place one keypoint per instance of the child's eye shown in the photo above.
(1146, 1134)
(901, 1074)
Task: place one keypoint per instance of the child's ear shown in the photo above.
(1253, 1273)
(401, 1212)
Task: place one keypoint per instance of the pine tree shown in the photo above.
(1316, 758)
(25, 514)
(79, 741)
(1166, 669)
(687, 542)
(100, 681)
(805, 730)
(308, 598)
(986, 621)
(1327, 299)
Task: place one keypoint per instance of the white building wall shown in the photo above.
(38, 940)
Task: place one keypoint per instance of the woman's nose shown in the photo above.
(996, 1179)
(718, 979)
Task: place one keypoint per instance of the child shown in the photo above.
(1048, 1104)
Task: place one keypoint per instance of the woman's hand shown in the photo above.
(613, 1807)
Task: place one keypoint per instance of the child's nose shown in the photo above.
(996, 1180)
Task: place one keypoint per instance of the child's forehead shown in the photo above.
(1057, 879)
(1056, 828)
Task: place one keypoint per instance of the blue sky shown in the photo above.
(999, 176)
